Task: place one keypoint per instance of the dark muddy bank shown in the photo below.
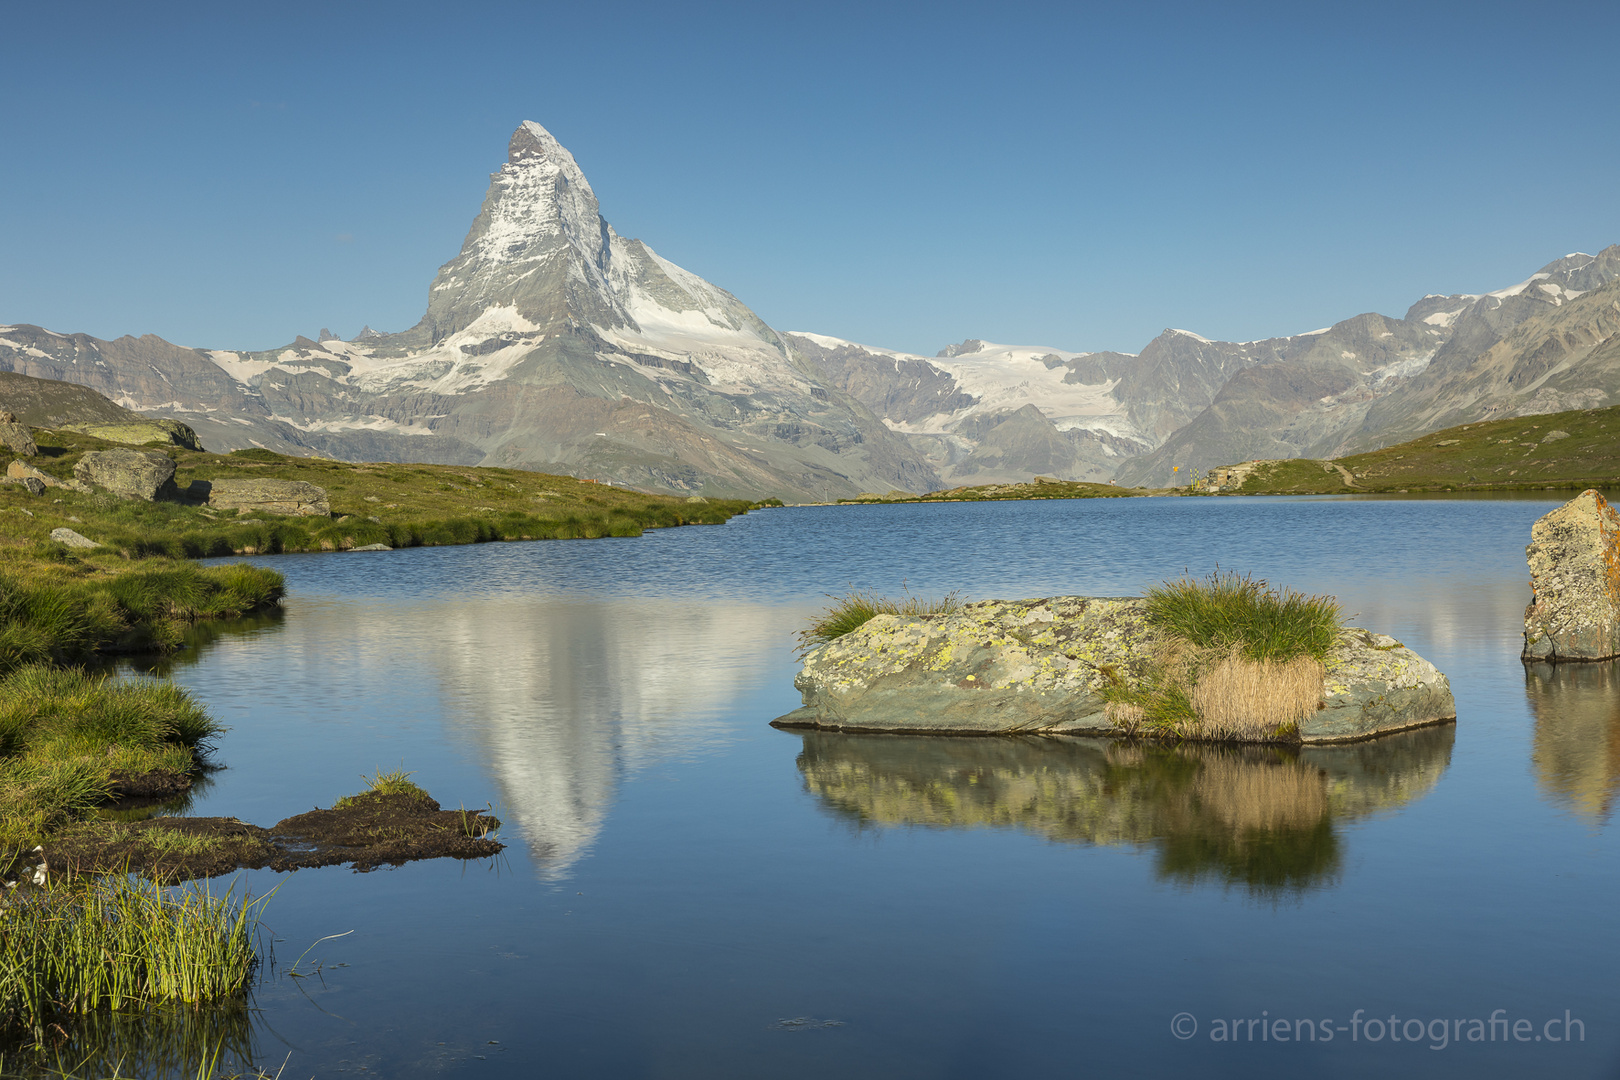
(365, 831)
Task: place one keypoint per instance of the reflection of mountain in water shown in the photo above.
(1262, 817)
(1577, 739)
(565, 696)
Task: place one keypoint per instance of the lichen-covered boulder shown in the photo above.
(293, 497)
(131, 474)
(16, 436)
(1574, 557)
(1025, 666)
(148, 429)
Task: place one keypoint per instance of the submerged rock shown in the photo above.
(131, 474)
(1574, 557)
(1028, 666)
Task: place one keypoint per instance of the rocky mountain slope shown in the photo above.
(549, 343)
(1540, 346)
(552, 343)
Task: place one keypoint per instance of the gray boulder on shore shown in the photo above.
(1574, 557)
(295, 498)
(1041, 666)
(130, 474)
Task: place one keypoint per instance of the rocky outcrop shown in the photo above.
(1574, 557)
(20, 472)
(292, 497)
(1028, 666)
(16, 436)
(130, 474)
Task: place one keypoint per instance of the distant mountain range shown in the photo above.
(552, 343)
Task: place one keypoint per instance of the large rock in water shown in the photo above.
(1026, 666)
(132, 474)
(1574, 556)
(294, 497)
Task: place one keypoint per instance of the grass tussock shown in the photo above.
(65, 735)
(119, 944)
(1237, 660)
(1237, 611)
(397, 782)
(62, 610)
(855, 609)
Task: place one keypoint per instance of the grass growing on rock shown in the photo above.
(1236, 660)
(118, 944)
(1228, 610)
(855, 609)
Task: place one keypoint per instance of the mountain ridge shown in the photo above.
(550, 342)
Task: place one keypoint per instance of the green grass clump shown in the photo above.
(65, 736)
(119, 944)
(398, 782)
(1228, 610)
(65, 610)
(855, 609)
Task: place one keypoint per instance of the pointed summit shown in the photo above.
(539, 245)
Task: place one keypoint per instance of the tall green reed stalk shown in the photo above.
(117, 944)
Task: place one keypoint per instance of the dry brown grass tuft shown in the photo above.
(1249, 700)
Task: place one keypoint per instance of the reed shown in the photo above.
(120, 944)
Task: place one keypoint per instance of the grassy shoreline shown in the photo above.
(1569, 451)
(372, 503)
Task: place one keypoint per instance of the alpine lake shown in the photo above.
(688, 892)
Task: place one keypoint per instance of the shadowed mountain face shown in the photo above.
(1265, 819)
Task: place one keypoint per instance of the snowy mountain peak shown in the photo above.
(539, 244)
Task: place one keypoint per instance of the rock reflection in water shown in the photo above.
(1261, 817)
(1577, 737)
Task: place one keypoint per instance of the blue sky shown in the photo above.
(1078, 176)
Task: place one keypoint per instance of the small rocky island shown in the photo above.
(1081, 665)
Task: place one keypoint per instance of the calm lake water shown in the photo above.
(688, 892)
